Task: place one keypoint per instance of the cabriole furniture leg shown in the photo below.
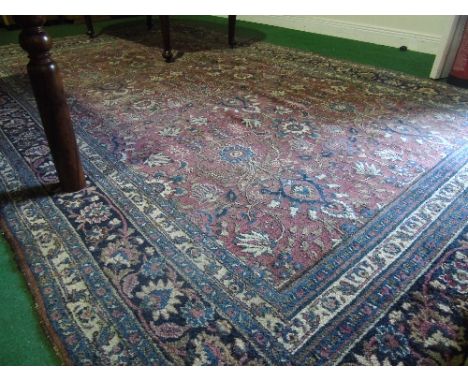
(232, 31)
(166, 37)
(89, 26)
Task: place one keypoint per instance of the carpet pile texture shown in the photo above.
(252, 206)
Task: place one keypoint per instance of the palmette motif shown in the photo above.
(243, 207)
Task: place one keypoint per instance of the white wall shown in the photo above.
(426, 34)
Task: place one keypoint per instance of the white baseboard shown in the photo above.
(415, 41)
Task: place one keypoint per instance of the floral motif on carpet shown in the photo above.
(243, 207)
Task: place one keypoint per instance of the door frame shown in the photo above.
(450, 42)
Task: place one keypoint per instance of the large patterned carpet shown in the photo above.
(244, 207)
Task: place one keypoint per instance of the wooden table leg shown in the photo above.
(149, 22)
(232, 31)
(166, 36)
(89, 26)
(47, 86)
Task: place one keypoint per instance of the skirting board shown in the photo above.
(419, 42)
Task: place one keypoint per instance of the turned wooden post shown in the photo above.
(232, 31)
(166, 37)
(47, 86)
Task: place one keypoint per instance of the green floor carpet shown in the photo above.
(22, 341)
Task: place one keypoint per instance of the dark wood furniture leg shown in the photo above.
(47, 86)
(89, 26)
(149, 22)
(166, 36)
(232, 31)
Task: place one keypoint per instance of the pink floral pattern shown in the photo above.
(278, 160)
(243, 207)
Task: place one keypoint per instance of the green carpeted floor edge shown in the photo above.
(22, 341)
